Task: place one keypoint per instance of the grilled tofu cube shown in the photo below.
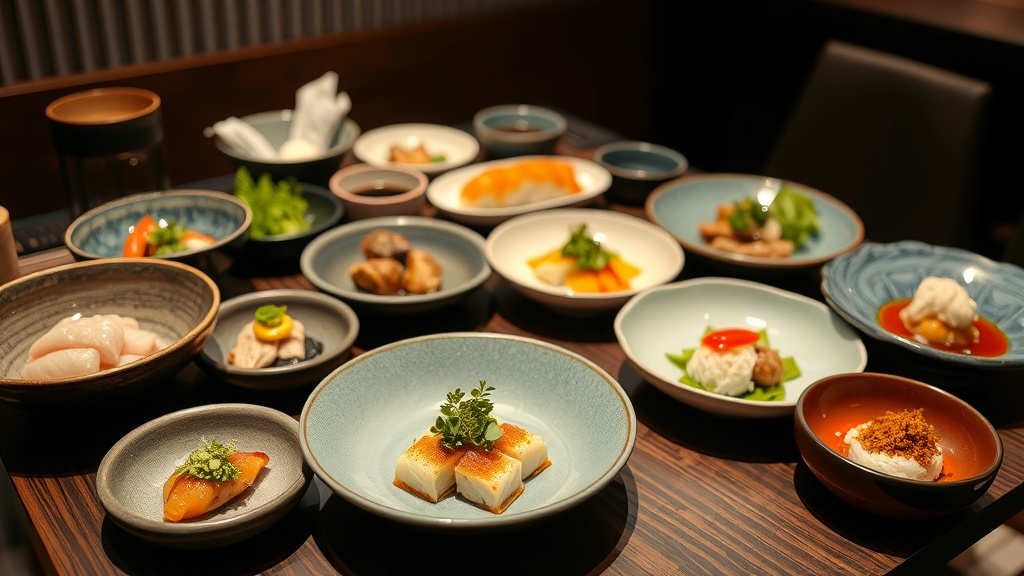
(427, 469)
(525, 446)
(490, 479)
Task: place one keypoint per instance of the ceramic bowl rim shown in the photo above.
(334, 185)
(650, 148)
(115, 204)
(482, 129)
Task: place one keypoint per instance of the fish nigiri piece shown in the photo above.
(186, 496)
(520, 183)
(63, 364)
(99, 332)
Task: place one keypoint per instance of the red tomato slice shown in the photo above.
(727, 338)
(137, 242)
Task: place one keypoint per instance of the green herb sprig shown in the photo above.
(270, 315)
(588, 252)
(211, 462)
(468, 422)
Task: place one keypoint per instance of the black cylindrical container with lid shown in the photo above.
(110, 144)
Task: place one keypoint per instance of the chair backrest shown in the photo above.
(897, 140)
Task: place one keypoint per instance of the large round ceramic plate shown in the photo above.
(460, 252)
(130, 478)
(513, 243)
(669, 318)
(858, 284)
(680, 205)
(444, 192)
(450, 147)
(362, 417)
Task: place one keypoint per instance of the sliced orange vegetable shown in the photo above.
(194, 239)
(555, 254)
(137, 242)
(273, 333)
(186, 496)
(583, 281)
(624, 270)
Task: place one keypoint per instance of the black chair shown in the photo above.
(899, 141)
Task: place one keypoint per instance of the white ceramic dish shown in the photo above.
(681, 204)
(130, 478)
(361, 418)
(326, 320)
(457, 147)
(512, 243)
(459, 251)
(444, 191)
(669, 318)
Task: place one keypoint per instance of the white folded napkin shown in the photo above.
(319, 111)
(247, 140)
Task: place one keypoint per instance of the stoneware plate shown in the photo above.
(681, 204)
(449, 146)
(514, 242)
(857, 284)
(131, 476)
(362, 417)
(444, 192)
(669, 318)
(327, 320)
(459, 251)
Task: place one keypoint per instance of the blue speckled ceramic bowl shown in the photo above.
(637, 168)
(681, 204)
(101, 232)
(460, 252)
(857, 284)
(518, 130)
(386, 395)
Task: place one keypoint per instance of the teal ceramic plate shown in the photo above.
(680, 205)
(674, 316)
(362, 417)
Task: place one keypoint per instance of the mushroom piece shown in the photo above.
(384, 243)
(378, 275)
(422, 273)
(768, 367)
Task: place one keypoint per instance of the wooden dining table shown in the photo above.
(700, 493)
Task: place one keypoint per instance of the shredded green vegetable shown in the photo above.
(277, 208)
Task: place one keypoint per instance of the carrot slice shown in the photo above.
(624, 270)
(137, 242)
(583, 281)
(186, 496)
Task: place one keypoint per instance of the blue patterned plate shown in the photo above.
(857, 284)
(681, 204)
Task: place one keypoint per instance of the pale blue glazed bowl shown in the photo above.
(101, 232)
(857, 284)
(363, 416)
(637, 168)
(681, 204)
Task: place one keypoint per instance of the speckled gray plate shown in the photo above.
(459, 251)
(130, 478)
(326, 319)
(361, 418)
(857, 284)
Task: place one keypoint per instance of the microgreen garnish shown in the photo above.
(211, 462)
(270, 315)
(588, 252)
(468, 422)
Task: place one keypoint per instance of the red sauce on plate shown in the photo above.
(833, 426)
(721, 340)
(991, 340)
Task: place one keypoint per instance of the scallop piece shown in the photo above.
(378, 275)
(383, 243)
(422, 273)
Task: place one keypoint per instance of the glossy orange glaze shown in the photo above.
(832, 427)
(991, 340)
(727, 338)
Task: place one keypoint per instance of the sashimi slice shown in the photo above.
(99, 332)
(187, 497)
(63, 364)
(139, 342)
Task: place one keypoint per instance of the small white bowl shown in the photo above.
(667, 319)
(368, 191)
(518, 129)
(513, 243)
(455, 147)
(131, 475)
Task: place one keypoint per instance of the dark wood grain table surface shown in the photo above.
(700, 494)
